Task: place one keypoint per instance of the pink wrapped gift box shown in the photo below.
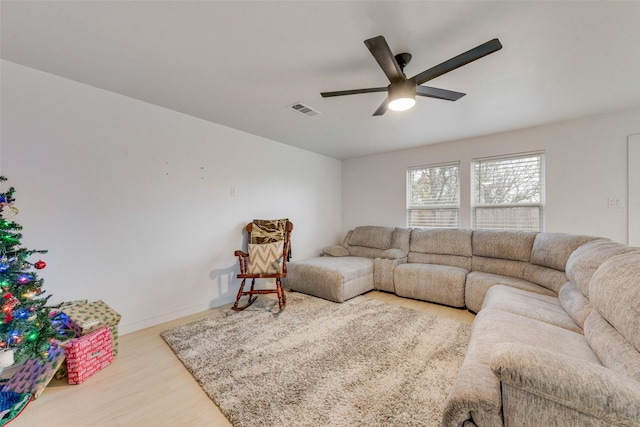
(88, 354)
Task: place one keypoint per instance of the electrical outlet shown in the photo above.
(232, 191)
(615, 203)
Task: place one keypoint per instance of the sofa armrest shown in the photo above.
(336, 250)
(383, 273)
(573, 383)
(393, 254)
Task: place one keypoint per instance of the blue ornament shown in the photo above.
(22, 314)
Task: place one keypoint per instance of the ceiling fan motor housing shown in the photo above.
(403, 89)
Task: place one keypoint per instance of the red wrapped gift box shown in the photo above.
(88, 354)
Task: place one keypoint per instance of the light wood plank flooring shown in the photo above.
(148, 386)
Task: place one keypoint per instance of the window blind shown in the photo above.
(433, 196)
(508, 192)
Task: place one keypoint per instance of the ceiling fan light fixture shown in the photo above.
(402, 104)
(402, 95)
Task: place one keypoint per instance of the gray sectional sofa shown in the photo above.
(556, 339)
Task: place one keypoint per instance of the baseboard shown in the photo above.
(167, 317)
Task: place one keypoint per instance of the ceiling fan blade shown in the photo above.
(458, 61)
(434, 92)
(382, 53)
(353, 91)
(382, 108)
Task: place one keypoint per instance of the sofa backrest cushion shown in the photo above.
(585, 260)
(549, 256)
(450, 260)
(441, 246)
(372, 237)
(614, 292)
(550, 278)
(553, 249)
(612, 349)
(371, 241)
(335, 250)
(441, 241)
(511, 245)
(503, 267)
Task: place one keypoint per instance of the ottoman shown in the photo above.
(333, 278)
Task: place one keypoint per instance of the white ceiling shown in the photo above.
(241, 63)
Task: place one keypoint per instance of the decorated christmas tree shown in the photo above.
(28, 326)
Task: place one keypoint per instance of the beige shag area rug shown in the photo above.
(319, 363)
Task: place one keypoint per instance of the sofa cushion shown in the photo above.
(513, 245)
(612, 349)
(478, 283)
(364, 252)
(451, 260)
(336, 250)
(393, 254)
(585, 260)
(450, 247)
(369, 241)
(428, 282)
(504, 267)
(614, 292)
(548, 277)
(574, 303)
(372, 237)
(441, 241)
(553, 249)
(545, 308)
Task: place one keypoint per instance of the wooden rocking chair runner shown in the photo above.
(268, 246)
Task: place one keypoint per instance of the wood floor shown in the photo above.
(148, 386)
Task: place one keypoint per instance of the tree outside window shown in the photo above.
(433, 198)
(508, 193)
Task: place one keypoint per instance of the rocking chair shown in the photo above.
(268, 243)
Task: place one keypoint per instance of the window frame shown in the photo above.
(540, 204)
(432, 207)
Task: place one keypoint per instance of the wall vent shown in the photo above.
(304, 109)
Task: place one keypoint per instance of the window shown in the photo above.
(433, 196)
(508, 192)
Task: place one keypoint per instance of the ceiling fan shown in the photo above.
(401, 93)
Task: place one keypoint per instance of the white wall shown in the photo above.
(133, 201)
(586, 164)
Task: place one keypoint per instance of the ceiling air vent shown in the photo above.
(304, 109)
